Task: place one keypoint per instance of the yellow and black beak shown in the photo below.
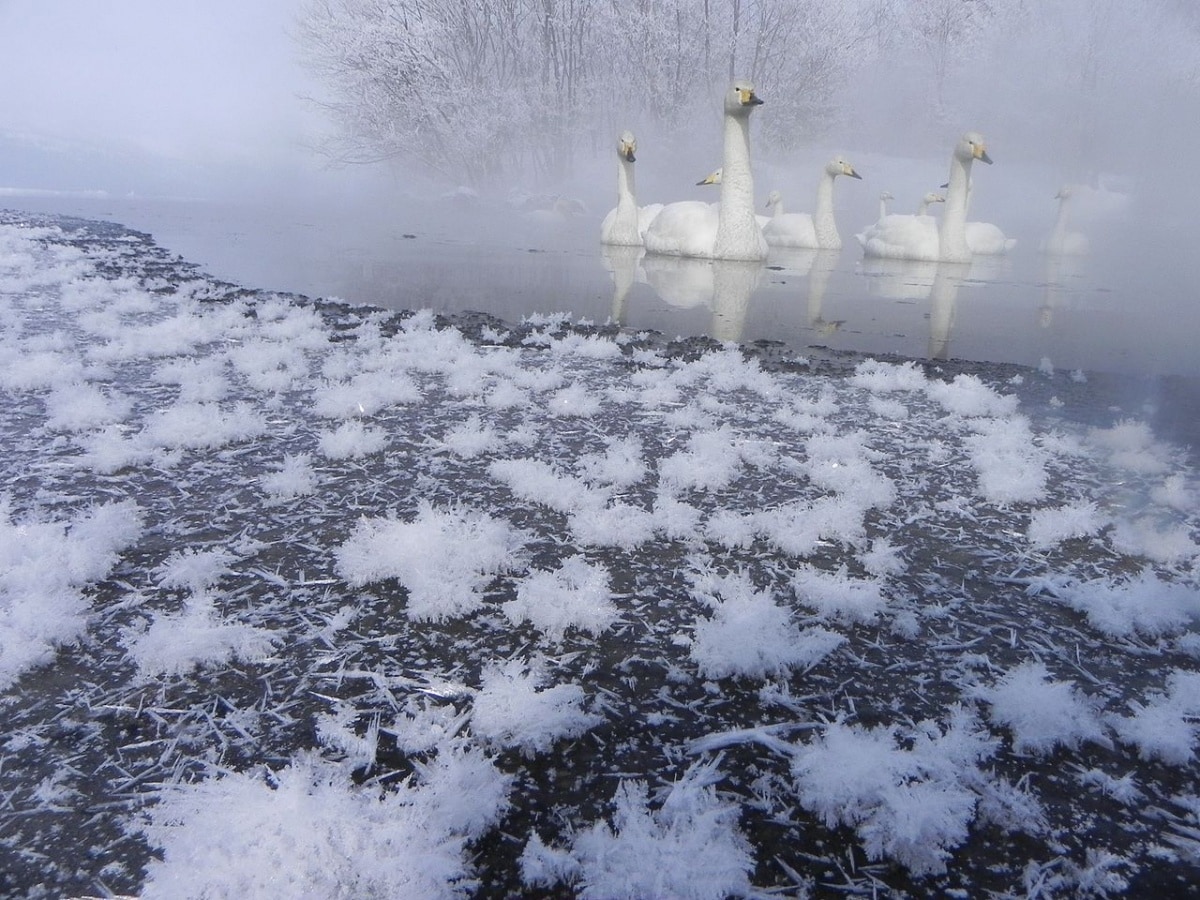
(748, 97)
(627, 152)
(850, 171)
(982, 156)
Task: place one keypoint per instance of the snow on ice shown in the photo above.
(298, 599)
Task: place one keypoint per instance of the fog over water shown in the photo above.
(193, 125)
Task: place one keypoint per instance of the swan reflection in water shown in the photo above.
(938, 282)
(1064, 254)
(624, 265)
(1063, 277)
(818, 266)
(724, 285)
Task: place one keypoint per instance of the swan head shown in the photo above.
(839, 165)
(886, 195)
(1064, 193)
(713, 178)
(971, 147)
(933, 197)
(740, 98)
(773, 199)
(627, 146)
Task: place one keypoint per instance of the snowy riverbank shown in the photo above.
(304, 600)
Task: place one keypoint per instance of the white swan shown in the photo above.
(817, 231)
(627, 222)
(883, 200)
(728, 230)
(1060, 240)
(931, 197)
(920, 237)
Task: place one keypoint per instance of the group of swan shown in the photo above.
(921, 237)
(731, 229)
(816, 231)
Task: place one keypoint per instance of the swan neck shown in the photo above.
(625, 180)
(625, 221)
(1060, 221)
(823, 221)
(738, 234)
(952, 235)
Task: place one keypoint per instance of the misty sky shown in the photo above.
(211, 81)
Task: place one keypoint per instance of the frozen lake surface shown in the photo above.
(302, 598)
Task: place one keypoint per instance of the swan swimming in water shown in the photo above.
(984, 238)
(921, 237)
(627, 222)
(715, 178)
(1061, 241)
(817, 231)
(728, 230)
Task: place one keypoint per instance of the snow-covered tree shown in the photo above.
(482, 90)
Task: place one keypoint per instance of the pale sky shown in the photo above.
(207, 80)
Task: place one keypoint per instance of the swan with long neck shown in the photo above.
(728, 230)
(627, 222)
(883, 202)
(921, 237)
(817, 231)
(929, 198)
(1060, 240)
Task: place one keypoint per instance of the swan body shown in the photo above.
(817, 231)
(921, 237)
(728, 230)
(627, 222)
(986, 239)
(1061, 241)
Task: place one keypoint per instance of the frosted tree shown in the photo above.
(444, 82)
(943, 31)
(1091, 64)
(480, 91)
(802, 52)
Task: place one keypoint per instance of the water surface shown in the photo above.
(1129, 309)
